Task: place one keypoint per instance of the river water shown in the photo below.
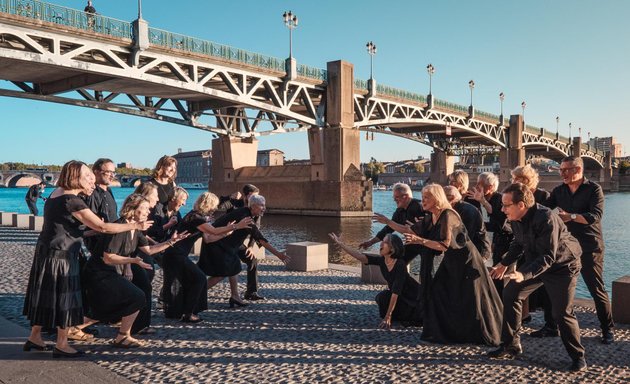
(283, 229)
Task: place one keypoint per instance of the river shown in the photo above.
(283, 229)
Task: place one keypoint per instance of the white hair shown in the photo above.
(402, 188)
(256, 199)
(488, 179)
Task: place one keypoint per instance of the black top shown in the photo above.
(121, 244)
(398, 279)
(227, 204)
(473, 221)
(190, 222)
(401, 216)
(61, 230)
(541, 196)
(588, 201)
(160, 218)
(497, 221)
(237, 237)
(473, 202)
(33, 193)
(545, 243)
(103, 204)
(89, 9)
(165, 191)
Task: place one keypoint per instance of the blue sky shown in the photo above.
(564, 58)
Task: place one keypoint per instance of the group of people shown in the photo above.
(540, 243)
(93, 263)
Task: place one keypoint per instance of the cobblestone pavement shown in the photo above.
(313, 327)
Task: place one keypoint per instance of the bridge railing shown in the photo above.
(68, 17)
(452, 107)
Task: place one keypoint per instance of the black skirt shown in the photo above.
(53, 294)
(219, 261)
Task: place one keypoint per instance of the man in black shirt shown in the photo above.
(34, 193)
(102, 201)
(236, 240)
(229, 204)
(408, 210)
(552, 259)
(472, 219)
(580, 204)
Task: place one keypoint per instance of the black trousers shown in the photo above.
(561, 289)
(141, 280)
(252, 271)
(592, 274)
(32, 206)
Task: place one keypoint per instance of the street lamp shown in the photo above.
(430, 71)
(371, 49)
(523, 105)
(471, 85)
(501, 98)
(139, 9)
(291, 21)
(570, 133)
(557, 126)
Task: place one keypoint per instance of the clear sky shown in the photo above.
(566, 58)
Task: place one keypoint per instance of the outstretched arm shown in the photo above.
(351, 251)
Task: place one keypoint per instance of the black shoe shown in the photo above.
(234, 302)
(59, 353)
(189, 319)
(527, 319)
(608, 337)
(253, 296)
(30, 345)
(90, 331)
(545, 332)
(577, 365)
(506, 353)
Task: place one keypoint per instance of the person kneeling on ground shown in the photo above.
(400, 301)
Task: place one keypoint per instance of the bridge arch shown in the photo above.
(22, 179)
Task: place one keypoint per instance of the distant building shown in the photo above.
(124, 165)
(607, 144)
(269, 158)
(194, 166)
(298, 162)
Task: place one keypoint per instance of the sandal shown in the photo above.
(126, 342)
(78, 335)
(147, 331)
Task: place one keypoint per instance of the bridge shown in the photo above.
(27, 177)
(61, 55)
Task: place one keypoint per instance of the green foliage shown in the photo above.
(624, 166)
(373, 169)
(419, 167)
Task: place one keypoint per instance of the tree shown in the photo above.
(419, 167)
(623, 167)
(373, 169)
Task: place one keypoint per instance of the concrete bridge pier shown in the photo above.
(514, 155)
(442, 164)
(332, 185)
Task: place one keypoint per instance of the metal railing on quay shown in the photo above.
(68, 17)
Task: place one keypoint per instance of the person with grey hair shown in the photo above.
(486, 194)
(408, 209)
(472, 220)
(233, 244)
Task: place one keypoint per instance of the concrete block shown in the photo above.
(620, 300)
(307, 256)
(20, 220)
(35, 223)
(6, 218)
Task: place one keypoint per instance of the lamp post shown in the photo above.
(570, 125)
(557, 127)
(371, 49)
(471, 109)
(139, 9)
(523, 105)
(501, 98)
(430, 71)
(291, 21)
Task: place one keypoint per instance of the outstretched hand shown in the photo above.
(334, 237)
(498, 271)
(386, 323)
(179, 236)
(379, 218)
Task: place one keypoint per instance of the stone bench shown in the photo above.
(307, 256)
(35, 223)
(6, 218)
(20, 220)
(620, 300)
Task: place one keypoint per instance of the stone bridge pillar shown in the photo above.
(442, 165)
(514, 155)
(606, 174)
(228, 155)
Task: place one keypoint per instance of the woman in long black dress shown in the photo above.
(53, 294)
(114, 296)
(463, 305)
(401, 300)
(185, 286)
(164, 175)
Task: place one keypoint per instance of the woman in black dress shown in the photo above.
(462, 303)
(53, 294)
(114, 296)
(401, 300)
(185, 286)
(163, 178)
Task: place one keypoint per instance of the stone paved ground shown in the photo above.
(314, 327)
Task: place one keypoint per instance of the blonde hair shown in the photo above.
(132, 202)
(179, 192)
(206, 203)
(164, 162)
(527, 175)
(461, 179)
(437, 192)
